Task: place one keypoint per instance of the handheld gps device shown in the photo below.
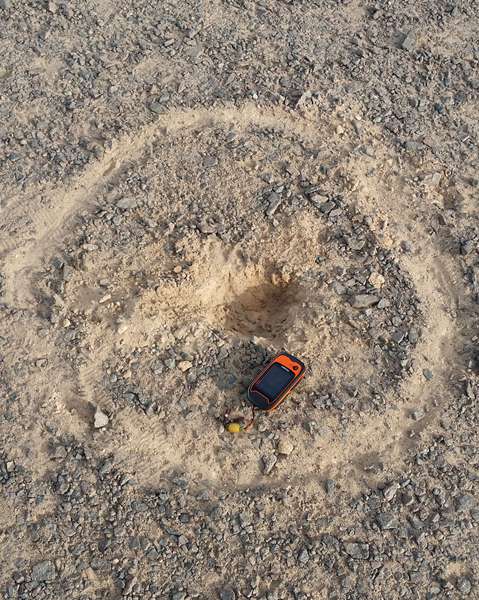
(271, 386)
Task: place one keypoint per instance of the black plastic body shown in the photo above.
(258, 392)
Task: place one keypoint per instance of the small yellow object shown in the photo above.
(234, 427)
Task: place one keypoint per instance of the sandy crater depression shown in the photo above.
(163, 311)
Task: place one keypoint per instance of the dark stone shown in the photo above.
(227, 593)
(303, 556)
(418, 414)
(364, 300)
(127, 203)
(413, 335)
(327, 207)
(269, 460)
(357, 550)
(464, 585)
(274, 202)
(465, 502)
(427, 374)
(329, 486)
(44, 571)
(210, 161)
(387, 521)
(409, 42)
(157, 107)
(467, 247)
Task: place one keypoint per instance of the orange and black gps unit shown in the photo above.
(271, 386)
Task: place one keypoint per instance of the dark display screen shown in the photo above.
(274, 381)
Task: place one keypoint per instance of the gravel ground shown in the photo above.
(188, 188)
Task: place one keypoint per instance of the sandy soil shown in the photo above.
(187, 189)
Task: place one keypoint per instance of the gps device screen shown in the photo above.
(274, 381)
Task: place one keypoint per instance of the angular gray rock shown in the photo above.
(357, 550)
(44, 571)
(409, 42)
(387, 521)
(127, 203)
(364, 300)
(274, 202)
(269, 460)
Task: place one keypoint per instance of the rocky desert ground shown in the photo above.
(187, 188)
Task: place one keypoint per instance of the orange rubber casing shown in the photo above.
(261, 401)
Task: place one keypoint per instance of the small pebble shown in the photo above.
(269, 462)
(364, 300)
(285, 447)
(427, 374)
(184, 365)
(127, 203)
(101, 419)
(376, 280)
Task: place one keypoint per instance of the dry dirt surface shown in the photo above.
(187, 188)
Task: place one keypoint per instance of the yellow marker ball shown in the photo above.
(234, 427)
